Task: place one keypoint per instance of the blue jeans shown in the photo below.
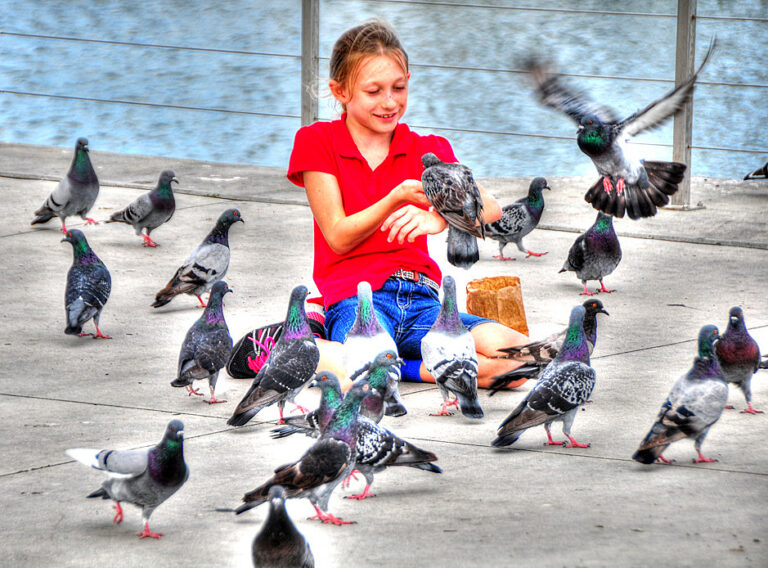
(407, 310)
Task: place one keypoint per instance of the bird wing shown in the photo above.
(542, 351)
(139, 209)
(207, 261)
(117, 463)
(452, 191)
(512, 221)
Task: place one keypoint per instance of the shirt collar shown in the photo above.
(348, 149)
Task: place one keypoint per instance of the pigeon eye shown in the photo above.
(590, 122)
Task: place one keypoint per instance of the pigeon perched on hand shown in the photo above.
(739, 356)
(625, 184)
(452, 191)
(448, 351)
(76, 192)
(288, 368)
(150, 210)
(518, 219)
(88, 286)
(279, 544)
(207, 346)
(694, 404)
(565, 385)
(205, 265)
(145, 477)
(594, 254)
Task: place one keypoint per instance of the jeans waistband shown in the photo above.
(413, 276)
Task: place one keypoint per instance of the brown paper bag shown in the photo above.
(499, 298)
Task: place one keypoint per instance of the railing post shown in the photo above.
(684, 60)
(310, 47)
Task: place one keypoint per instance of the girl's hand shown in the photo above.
(411, 191)
(410, 222)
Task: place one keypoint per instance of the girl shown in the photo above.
(362, 177)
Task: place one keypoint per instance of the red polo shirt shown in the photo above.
(328, 147)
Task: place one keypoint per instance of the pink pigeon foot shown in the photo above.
(202, 304)
(444, 409)
(118, 513)
(99, 334)
(750, 410)
(193, 391)
(89, 221)
(364, 495)
(662, 459)
(702, 459)
(531, 253)
(620, 186)
(84, 334)
(328, 518)
(502, 257)
(572, 443)
(63, 228)
(146, 533)
(148, 242)
(348, 480)
(587, 292)
(607, 185)
(550, 441)
(215, 400)
(604, 289)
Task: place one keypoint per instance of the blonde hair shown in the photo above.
(371, 38)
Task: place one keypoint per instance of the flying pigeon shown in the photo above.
(207, 346)
(279, 544)
(145, 477)
(739, 356)
(323, 466)
(313, 423)
(536, 355)
(289, 367)
(625, 184)
(452, 191)
(88, 286)
(595, 253)
(205, 265)
(75, 194)
(759, 173)
(518, 219)
(366, 339)
(150, 210)
(694, 404)
(448, 351)
(564, 386)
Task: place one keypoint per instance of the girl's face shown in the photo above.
(378, 97)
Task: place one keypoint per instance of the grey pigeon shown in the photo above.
(279, 544)
(76, 192)
(636, 187)
(518, 219)
(150, 210)
(207, 346)
(452, 191)
(366, 339)
(88, 286)
(289, 367)
(313, 423)
(694, 404)
(205, 265)
(595, 253)
(739, 356)
(323, 466)
(448, 351)
(536, 355)
(565, 385)
(378, 374)
(759, 173)
(145, 477)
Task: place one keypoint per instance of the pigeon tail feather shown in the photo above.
(462, 248)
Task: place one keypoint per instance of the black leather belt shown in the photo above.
(413, 276)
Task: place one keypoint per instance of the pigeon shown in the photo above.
(145, 477)
(205, 265)
(448, 351)
(536, 355)
(759, 173)
(75, 194)
(518, 219)
(694, 404)
(625, 184)
(279, 544)
(564, 386)
(207, 346)
(289, 367)
(313, 423)
(323, 466)
(378, 373)
(150, 210)
(366, 339)
(452, 191)
(595, 253)
(88, 286)
(739, 356)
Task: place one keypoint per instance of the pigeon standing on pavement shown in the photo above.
(150, 210)
(694, 404)
(205, 265)
(565, 385)
(207, 346)
(378, 374)
(279, 544)
(739, 356)
(452, 191)
(448, 351)
(289, 367)
(759, 173)
(595, 253)
(76, 192)
(88, 286)
(518, 219)
(366, 339)
(313, 423)
(145, 477)
(636, 187)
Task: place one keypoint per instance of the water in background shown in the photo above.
(586, 44)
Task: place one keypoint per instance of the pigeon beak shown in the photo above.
(399, 361)
(734, 320)
(180, 434)
(602, 311)
(580, 128)
(174, 179)
(313, 383)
